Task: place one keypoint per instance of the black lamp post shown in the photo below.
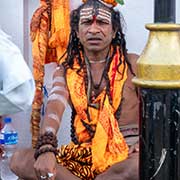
(165, 11)
(158, 78)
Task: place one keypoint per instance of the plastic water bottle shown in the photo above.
(9, 140)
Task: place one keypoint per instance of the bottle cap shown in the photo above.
(7, 119)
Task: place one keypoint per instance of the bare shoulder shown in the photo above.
(133, 60)
(133, 56)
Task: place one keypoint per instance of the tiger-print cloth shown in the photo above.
(78, 160)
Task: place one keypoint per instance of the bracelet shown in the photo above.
(38, 152)
(47, 138)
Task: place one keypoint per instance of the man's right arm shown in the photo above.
(56, 104)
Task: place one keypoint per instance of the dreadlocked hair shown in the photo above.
(74, 48)
(73, 132)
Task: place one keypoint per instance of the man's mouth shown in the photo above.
(94, 40)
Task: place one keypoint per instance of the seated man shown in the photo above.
(95, 78)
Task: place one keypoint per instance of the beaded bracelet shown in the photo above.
(47, 138)
(38, 152)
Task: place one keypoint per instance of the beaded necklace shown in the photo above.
(91, 85)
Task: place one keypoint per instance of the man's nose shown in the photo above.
(94, 28)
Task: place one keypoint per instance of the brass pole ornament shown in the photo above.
(159, 63)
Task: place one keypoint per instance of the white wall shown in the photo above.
(15, 17)
(12, 22)
(11, 19)
(136, 16)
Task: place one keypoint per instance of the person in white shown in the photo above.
(17, 85)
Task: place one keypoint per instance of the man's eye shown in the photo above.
(86, 22)
(103, 22)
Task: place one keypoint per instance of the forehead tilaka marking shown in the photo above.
(90, 12)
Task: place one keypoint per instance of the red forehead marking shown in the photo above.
(94, 18)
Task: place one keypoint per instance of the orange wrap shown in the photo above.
(108, 145)
(60, 28)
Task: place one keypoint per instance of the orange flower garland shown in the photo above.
(112, 2)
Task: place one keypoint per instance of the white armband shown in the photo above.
(58, 97)
(58, 88)
(59, 79)
(54, 117)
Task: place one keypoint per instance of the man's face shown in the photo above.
(95, 29)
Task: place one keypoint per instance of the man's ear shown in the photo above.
(77, 33)
(114, 34)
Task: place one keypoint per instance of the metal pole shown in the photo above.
(158, 78)
(165, 11)
(160, 121)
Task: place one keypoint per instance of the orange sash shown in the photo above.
(108, 145)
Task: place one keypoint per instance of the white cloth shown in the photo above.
(17, 86)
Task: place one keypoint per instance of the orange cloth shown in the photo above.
(60, 28)
(108, 145)
(78, 160)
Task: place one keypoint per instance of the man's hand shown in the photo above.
(125, 170)
(45, 166)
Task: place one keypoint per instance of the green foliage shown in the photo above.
(120, 1)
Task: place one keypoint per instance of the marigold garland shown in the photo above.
(111, 2)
